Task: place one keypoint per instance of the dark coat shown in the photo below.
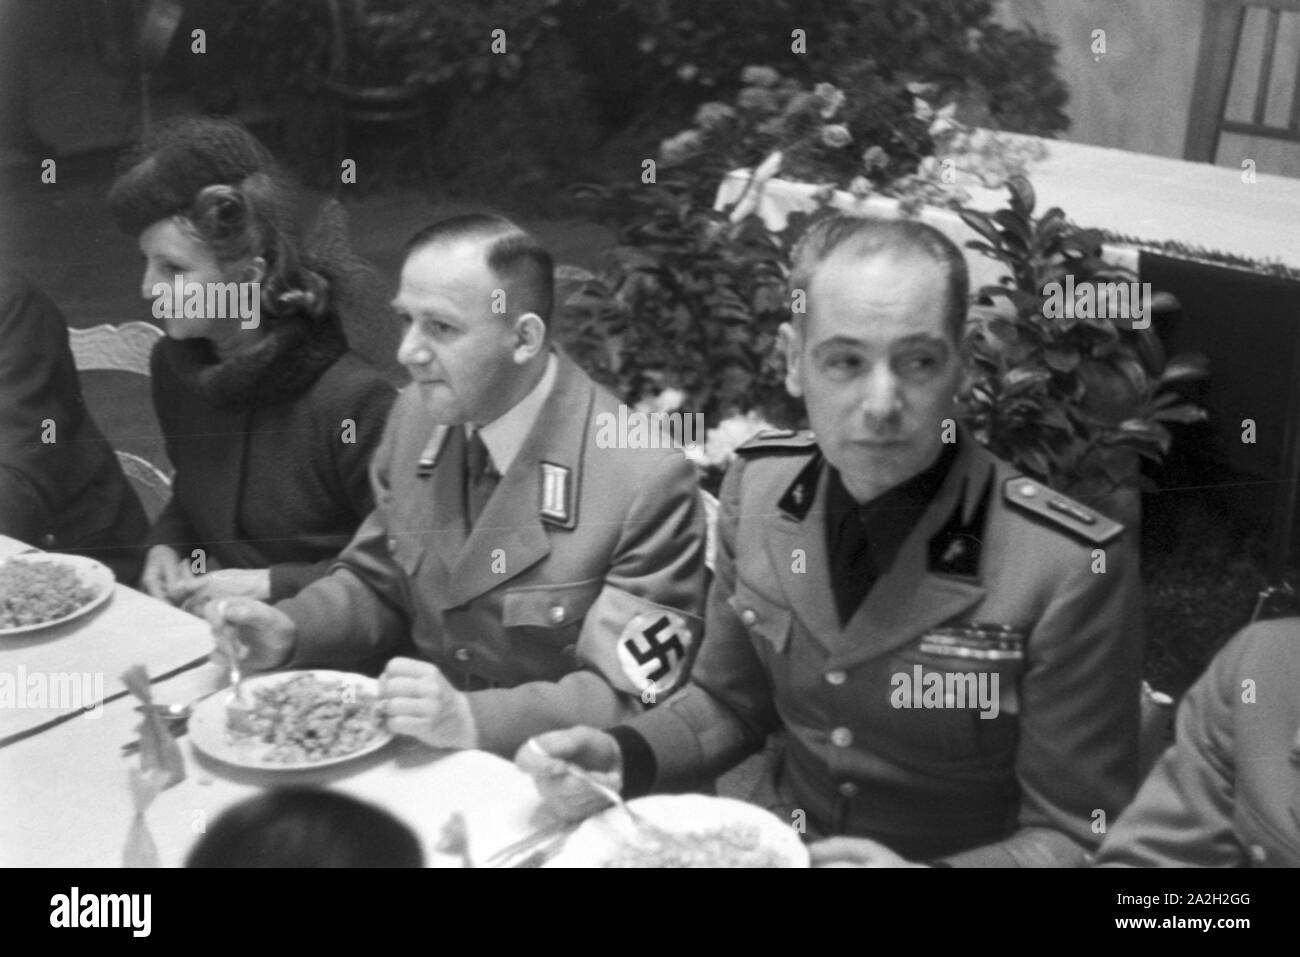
(68, 495)
(269, 481)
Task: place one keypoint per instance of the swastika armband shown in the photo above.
(641, 647)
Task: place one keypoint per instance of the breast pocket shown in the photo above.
(971, 674)
(764, 618)
(553, 613)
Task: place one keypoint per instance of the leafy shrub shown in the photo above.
(1074, 401)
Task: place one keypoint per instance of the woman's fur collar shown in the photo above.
(284, 363)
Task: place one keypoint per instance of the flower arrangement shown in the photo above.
(868, 138)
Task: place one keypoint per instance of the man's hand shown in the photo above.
(855, 852)
(259, 636)
(193, 593)
(547, 758)
(422, 704)
(163, 571)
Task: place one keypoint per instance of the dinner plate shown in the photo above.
(600, 838)
(210, 733)
(92, 574)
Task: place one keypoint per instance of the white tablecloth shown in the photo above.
(130, 629)
(1147, 197)
(65, 799)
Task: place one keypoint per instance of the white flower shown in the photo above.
(712, 115)
(831, 97)
(875, 158)
(836, 135)
(681, 147)
(759, 76)
(944, 121)
(721, 442)
(860, 187)
(687, 72)
(922, 110)
(669, 400)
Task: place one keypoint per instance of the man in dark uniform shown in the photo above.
(951, 649)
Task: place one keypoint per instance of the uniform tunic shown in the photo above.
(1227, 793)
(575, 598)
(999, 578)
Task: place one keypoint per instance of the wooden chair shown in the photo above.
(125, 348)
(1221, 42)
(360, 102)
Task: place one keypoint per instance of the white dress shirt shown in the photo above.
(504, 436)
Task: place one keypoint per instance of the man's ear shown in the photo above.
(790, 342)
(530, 337)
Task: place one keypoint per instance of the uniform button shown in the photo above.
(1028, 490)
(47, 541)
(1258, 854)
(557, 614)
(841, 737)
(836, 678)
(461, 654)
(748, 616)
(848, 789)
(392, 543)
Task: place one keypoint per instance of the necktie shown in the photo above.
(852, 570)
(480, 478)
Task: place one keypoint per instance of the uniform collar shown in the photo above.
(540, 489)
(504, 436)
(889, 517)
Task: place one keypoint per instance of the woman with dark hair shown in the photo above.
(269, 418)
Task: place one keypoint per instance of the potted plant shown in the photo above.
(1074, 400)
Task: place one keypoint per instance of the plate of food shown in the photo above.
(685, 830)
(43, 589)
(294, 721)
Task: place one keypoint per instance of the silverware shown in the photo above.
(601, 788)
(544, 844)
(168, 712)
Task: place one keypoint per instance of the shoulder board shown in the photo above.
(778, 442)
(1060, 510)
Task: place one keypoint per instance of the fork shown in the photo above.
(533, 850)
(639, 821)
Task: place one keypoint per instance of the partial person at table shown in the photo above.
(1227, 792)
(306, 827)
(270, 419)
(544, 574)
(61, 486)
(953, 677)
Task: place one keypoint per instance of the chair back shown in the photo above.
(125, 348)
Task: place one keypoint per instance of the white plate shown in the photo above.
(601, 837)
(92, 574)
(210, 733)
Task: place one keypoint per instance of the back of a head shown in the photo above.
(511, 252)
(903, 239)
(306, 827)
